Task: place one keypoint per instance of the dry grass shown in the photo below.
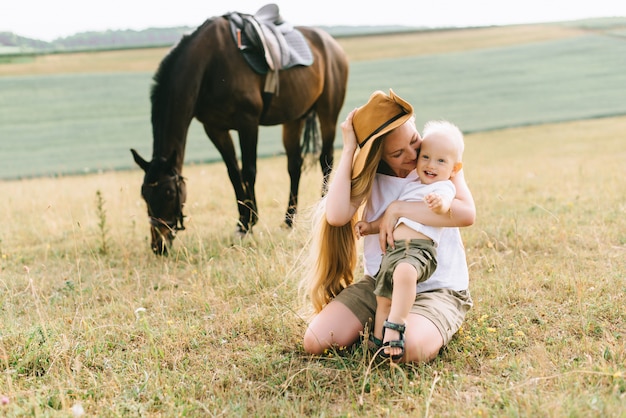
(439, 42)
(214, 329)
(140, 60)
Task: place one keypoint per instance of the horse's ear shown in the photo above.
(139, 160)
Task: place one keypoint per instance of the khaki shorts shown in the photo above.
(419, 253)
(446, 308)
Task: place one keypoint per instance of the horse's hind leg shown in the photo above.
(291, 141)
(328, 126)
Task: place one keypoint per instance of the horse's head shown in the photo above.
(165, 192)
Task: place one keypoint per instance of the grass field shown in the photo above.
(90, 317)
(91, 321)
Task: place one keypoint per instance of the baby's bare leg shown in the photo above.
(383, 305)
(403, 296)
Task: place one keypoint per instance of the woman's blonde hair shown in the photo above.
(332, 255)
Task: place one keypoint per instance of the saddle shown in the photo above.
(269, 43)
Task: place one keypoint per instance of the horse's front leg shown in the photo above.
(248, 139)
(224, 144)
(292, 131)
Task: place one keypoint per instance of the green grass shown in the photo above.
(555, 81)
(216, 328)
(59, 124)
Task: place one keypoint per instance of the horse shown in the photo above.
(206, 76)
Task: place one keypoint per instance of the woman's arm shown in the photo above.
(462, 212)
(339, 207)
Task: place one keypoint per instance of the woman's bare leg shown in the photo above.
(422, 339)
(334, 326)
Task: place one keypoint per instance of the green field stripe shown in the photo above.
(87, 122)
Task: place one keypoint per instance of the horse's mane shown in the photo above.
(162, 78)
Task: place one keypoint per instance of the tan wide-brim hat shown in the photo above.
(380, 115)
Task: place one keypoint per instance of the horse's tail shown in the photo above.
(311, 145)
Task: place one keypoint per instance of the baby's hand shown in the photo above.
(435, 203)
(361, 229)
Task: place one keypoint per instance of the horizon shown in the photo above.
(122, 15)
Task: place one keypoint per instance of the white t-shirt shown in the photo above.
(451, 272)
(416, 191)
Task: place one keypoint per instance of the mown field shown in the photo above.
(92, 321)
(80, 113)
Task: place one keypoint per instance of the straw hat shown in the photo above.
(380, 115)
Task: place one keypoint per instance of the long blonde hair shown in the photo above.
(332, 255)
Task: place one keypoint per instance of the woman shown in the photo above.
(380, 147)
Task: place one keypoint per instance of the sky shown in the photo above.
(51, 19)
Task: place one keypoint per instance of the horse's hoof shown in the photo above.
(241, 232)
(290, 216)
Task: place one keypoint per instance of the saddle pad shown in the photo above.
(299, 50)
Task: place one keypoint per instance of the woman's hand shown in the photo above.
(387, 224)
(349, 136)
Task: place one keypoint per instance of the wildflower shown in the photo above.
(139, 311)
(4, 400)
(78, 410)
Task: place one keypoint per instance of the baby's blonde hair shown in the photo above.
(449, 130)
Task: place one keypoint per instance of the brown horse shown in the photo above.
(206, 76)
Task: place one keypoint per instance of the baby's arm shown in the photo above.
(462, 212)
(440, 198)
(363, 228)
(439, 204)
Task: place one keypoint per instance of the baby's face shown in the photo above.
(436, 159)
